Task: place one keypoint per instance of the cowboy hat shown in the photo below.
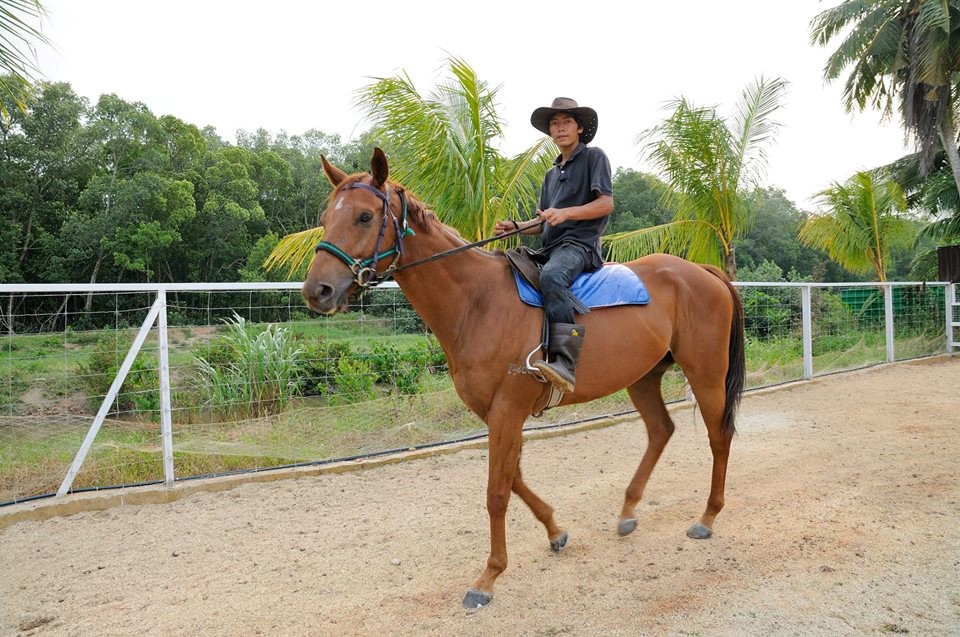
(586, 117)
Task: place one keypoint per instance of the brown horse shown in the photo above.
(468, 299)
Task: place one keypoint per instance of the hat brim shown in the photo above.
(587, 116)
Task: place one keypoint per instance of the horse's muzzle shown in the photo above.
(324, 298)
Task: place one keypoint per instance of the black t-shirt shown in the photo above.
(576, 183)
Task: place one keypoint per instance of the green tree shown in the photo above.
(862, 220)
(230, 218)
(709, 164)
(44, 162)
(638, 201)
(900, 54)
(771, 236)
(308, 186)
(18, 60)
(131, 211)
(150, 210)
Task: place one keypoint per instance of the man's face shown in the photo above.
(564, 129)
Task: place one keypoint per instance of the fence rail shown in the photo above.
(113, 385)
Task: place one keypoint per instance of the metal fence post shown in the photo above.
(166, 421)
(807, 322)
(888, 319)
(952, 322)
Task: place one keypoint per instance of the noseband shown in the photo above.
(365, 270)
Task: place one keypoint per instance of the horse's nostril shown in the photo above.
(318, 293)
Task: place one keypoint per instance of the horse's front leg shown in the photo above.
(505, 441)
(542, 511)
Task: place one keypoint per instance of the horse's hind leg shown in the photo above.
(542, 511)
(711, 398)
(648, 400)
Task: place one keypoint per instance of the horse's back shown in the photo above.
(674, 279)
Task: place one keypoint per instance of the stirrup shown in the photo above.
(555, 395)
(533, 370)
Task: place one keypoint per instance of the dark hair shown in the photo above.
(576, 117)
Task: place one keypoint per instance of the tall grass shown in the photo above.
(253, 373)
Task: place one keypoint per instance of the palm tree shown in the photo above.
(900, 53)
(709, 165)
(17, 69)
(442, 148)
(861, 222)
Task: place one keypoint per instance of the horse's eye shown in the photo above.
(365, 217)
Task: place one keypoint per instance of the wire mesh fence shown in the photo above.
(255, 381)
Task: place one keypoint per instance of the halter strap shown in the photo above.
(366, 269)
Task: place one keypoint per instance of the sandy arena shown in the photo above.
(842, 518)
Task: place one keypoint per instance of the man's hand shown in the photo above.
(503, 227)
(553, 216)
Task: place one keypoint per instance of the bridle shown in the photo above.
(365, 270)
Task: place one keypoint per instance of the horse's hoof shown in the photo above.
(476, 599)
(699, 532)
(626, 526)
(556, 545)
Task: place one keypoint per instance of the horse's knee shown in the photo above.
(659, 437)
(497, 502)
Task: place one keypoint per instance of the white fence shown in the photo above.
(113, 385)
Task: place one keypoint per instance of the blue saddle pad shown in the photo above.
(613, 284)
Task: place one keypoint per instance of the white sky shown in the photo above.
(292, 66)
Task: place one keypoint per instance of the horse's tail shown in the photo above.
(737, 365)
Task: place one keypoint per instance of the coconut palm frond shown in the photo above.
(444, 149)
(293, 251)
(18, 66)
(692, 238)
(521, 176)
(753, 126)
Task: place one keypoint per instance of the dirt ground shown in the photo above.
(843, 503)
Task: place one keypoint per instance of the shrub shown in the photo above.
(355, 381)
(318, 365)
(140, 390)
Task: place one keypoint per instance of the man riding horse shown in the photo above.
(576, 200)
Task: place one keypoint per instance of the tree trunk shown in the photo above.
(10, 329)
(26, 239)
(730, 263)
(949, 141)
(93, 279)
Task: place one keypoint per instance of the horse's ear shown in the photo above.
(334, 174)
(379, 168)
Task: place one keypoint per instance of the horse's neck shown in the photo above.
(444, 292)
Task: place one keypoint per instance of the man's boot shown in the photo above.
(563, 352)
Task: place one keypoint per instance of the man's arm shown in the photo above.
(599, 207)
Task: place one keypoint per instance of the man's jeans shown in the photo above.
(565, 264)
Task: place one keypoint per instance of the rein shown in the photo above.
(365, 270)
(475, 244)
